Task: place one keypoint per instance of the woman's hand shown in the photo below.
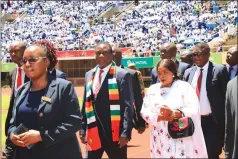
(166, 111)
(30, 137)
(166, 114)
(16, 140)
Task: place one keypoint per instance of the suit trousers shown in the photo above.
(111, 148)
(212, 136)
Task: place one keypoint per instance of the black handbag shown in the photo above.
(180, 128)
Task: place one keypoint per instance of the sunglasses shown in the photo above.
(198, 54)
(31, 60)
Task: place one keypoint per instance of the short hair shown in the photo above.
(204, 47)
(108, 44)
(50, 51)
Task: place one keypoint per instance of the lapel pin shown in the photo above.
(41, 114)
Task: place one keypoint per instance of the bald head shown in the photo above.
(168, 51)
(105, 45)
(117, 56)
(186, 56)
(186, 53)
(232, 56)
(16, 50)
(204, 47)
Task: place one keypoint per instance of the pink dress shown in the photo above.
(179, 96)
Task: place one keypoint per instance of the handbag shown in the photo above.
(180, 128)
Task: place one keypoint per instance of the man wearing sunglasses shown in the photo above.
(209, 80)
(168, 51)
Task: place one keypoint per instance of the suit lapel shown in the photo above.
(14, 77)
(49, 92)
(23, 94)
(192, 74)
(209, 76)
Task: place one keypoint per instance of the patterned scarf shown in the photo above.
(93, 139)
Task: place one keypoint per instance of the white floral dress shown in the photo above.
(179, 96)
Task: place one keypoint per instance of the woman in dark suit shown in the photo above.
(48, 107)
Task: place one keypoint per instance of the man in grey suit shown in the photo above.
(209, 80)
(138, 121)
(107, 107)
(168, 51)
(231, 120)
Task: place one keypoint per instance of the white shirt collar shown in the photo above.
(106, 69)
(205, 67)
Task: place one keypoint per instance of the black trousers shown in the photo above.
(212, 135)
(111, 148)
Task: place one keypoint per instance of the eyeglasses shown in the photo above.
(198, 54)
(31, 60)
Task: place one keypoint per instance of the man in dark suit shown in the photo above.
(138, 121)
(168, 51)
(209, 80)
(231, 120)
(107, 107)
(232, 62)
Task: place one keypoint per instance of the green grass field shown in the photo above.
(4, 106)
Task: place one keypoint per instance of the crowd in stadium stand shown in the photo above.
(144, 27)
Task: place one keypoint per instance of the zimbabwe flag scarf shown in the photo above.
(93, 140)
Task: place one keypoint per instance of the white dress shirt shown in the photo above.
(233, 71)
(22, 76)
(96, 77)
(205, 108)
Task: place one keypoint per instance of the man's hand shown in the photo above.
(123, 141)
(30, 137)
(140, 130)
(16, 140)
(83, 139)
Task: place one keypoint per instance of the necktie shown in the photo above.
(98, 83)
(199, 84)
(19, 77)
(230, 70)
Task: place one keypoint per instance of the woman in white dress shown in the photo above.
(165, 101)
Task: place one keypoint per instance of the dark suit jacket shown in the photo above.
(235, 74)
(102, 105)
(57, 73)
(231, 124)
(12, 77)
(181, 69)
(217, 79)
(138, 120)
(58, 119)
